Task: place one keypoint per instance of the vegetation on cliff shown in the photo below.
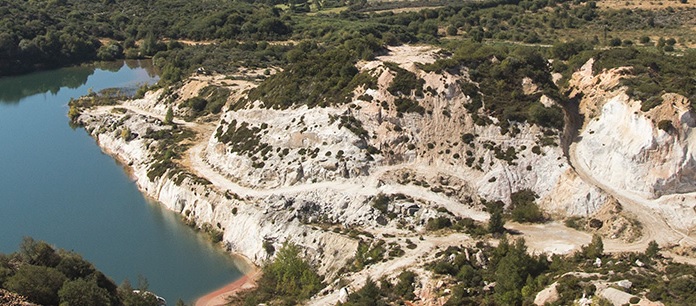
(286, 280)
(47, 276)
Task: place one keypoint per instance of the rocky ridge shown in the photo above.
(313, 175)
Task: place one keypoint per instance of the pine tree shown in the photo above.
(169, 116)
(496, 224)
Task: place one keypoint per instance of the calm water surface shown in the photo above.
(57, 186)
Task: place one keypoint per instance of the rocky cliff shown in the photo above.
(375, 170)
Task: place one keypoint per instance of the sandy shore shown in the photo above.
(220, 296)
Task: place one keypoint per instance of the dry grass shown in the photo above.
(409, 9)
(648, 5)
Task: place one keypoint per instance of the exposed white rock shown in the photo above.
(548, 295)
(625, 146)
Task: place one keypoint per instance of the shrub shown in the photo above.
(83, 292)
(288, 278)
(438, 223)
(381, 203)
(524, 208)
(405, 82)
(39, 284)
(169, 116)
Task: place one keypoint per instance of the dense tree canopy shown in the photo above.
(47, 276)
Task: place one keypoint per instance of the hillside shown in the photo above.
(404, 152)
(414, 160)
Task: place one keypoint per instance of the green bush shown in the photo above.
(82, 292)
(665, 125)
(404, 82)
(287, 278)
(524, 208)
(39, 284)
(438, 223)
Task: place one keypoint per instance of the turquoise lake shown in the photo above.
(56, 185)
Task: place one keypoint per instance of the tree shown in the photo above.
(126, 134)
(368, 295)
(496, 224)
(38, 253)
(404, 288)
(169, 116)
(149, 45)
(131, 298)
(595, 249)
(39, 284)
(82, 292)
(512, 271)
(289, 278)
(653, 249)
(74, 266)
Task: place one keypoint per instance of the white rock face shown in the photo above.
(310, 175)
(246, 224)
(624, 145)
(430, 143)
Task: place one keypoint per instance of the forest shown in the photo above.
(224, 35)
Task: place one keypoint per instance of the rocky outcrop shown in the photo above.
(8, 298)
(251, 226)
(647, 152)
(327, 178)
(358, 140)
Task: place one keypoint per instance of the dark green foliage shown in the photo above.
(524, 208)
(368, 254)
(48, 277)
(468, 138)
(595, 249)
(438, 223)
(130, 298)
(665, 125)
(404, 288)
(210, 100)
(38, 253)
(499, 82)
(40, 284)
(354, 125)
(169, 148)
(566, 50)
(216, 98)
(381, 203)
(289, 279)
(169, 116)
(196, 103)
(369, 295)
(546, 116)
(74, 266)
(242, 139)
(652, 73)
(510, 275)
(404, 82)
(317, 77)
(653, 250)
(82, 292)
(407, 105)
(39, 35)
(496, 224)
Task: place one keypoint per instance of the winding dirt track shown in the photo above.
(655, 227)
(195, 160)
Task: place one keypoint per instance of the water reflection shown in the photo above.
(13, 89)
(56, 185)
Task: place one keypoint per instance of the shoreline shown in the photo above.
(220, 296)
